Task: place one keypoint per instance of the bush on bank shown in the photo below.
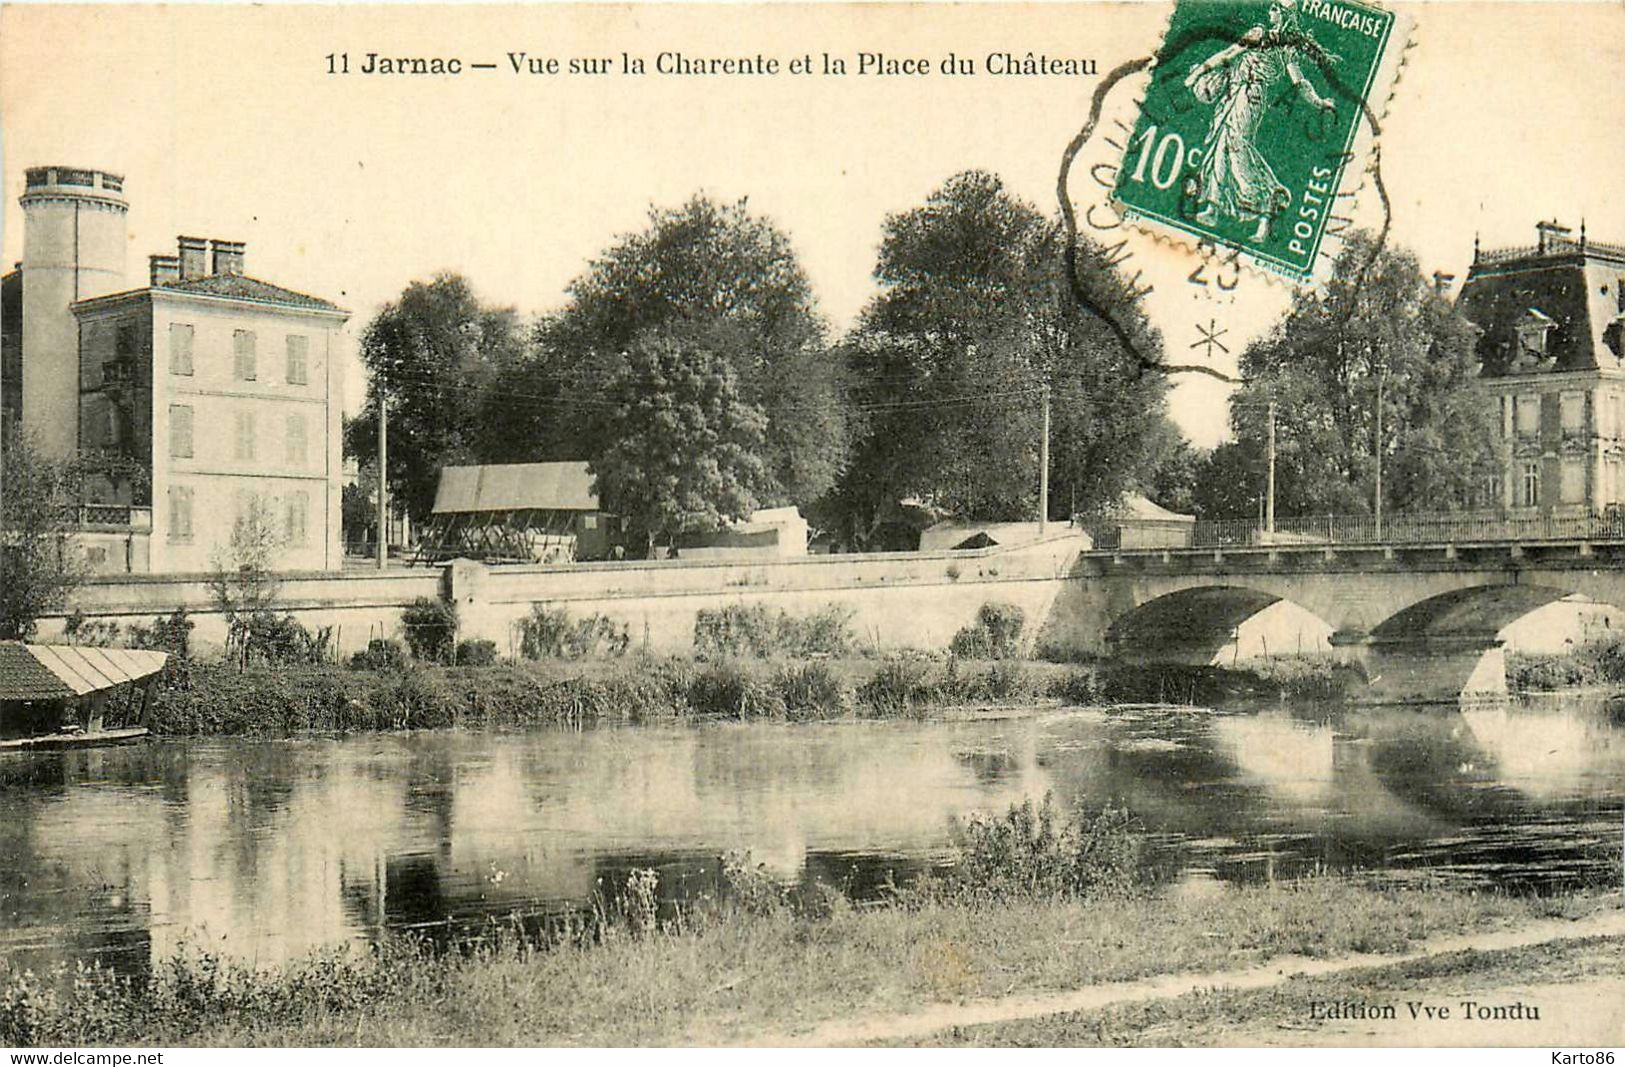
(1595, 663)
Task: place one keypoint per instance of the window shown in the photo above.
(180, 431)
(242, 346)
(298, 516)
(589, 522)
(1531, 485)
(1528, 415)
(124, 345)
(180, 348)
(295, 441)
(1506, 417)
(1574, 414)
(1490, 492)
(180, 513)
(245, 435)
(1572, 485)
(298, 349)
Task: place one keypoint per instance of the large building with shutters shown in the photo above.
(1550, 350)
(199, 399)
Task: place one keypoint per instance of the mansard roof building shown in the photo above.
(1550, 318)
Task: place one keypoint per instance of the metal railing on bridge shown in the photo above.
(1406, 529)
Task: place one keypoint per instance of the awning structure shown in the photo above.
(56, 672)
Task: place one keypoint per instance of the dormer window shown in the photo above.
(1533, 331)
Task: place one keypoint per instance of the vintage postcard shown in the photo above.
(695, 525)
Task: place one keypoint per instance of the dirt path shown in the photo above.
(934, 1017)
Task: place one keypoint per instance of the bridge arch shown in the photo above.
(1452, 644)
(1206, 624)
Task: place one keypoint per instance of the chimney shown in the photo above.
(228, 256)
(162, 270)
(194, 254)
(1441, 282)
(1550, 234)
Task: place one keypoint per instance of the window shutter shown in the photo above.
(180, 431)
(243, 346)
(245, 435)
(298, 351)
(296, 440)
(180, 348)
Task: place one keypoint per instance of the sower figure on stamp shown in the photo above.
(1234, 177)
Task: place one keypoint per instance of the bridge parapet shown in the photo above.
(1416, 529)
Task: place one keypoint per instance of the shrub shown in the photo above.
(265, 637)
(812, 690)
(381, 654)
(97, 633)
(1078, 686)
(996, 633)
(1030, 853)
(729, 690)
(172, 634)
(897, 688)
(1010, 680)
(754, 630)
(431, 628)
(548, 633)
(751, 887)
(476, 652)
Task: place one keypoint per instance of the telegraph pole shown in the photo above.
(1043, 470)
(1376, 507)
(383, 478)
(1269, 498)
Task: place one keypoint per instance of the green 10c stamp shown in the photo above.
(1257, 113)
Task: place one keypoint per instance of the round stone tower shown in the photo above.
(75, 229)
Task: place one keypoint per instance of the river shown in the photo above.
(262, 849)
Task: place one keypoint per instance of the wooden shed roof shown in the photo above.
(515, 487)
(56, 672)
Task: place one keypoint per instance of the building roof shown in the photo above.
(563, 486)
(56, 672)
(238, 287)
(242, 287)
(955, 533)
(1572, 287)
(1141, 508)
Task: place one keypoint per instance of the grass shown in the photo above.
(1281, 1015)
(731, 972)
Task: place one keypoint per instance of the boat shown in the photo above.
(75, 696)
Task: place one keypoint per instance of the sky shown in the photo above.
(226, 123)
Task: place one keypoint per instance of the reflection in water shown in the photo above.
(264, 849)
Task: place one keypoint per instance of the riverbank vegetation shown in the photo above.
(1585, 666)
(749, 663)
(1035, 903)
(383, 690)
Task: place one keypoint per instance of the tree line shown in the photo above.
(691, 368)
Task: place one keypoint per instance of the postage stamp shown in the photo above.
(1257, 125)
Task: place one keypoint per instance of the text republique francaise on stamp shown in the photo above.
(1257, 125)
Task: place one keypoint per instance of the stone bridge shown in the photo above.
(1422, 620)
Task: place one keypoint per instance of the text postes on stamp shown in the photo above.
(1258, 117)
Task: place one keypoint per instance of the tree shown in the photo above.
(446, 363)
(686, 450)
(704, 270)
(974, 317)
(39, 564)
(1379, 330)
